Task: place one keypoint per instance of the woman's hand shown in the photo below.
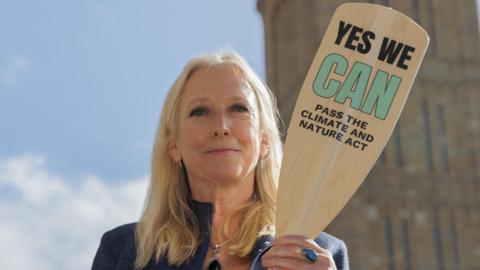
(287, 253)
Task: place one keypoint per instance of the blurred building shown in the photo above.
(419, 208)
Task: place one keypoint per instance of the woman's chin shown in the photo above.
(224, 176)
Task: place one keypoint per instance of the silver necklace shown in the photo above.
(214, 262)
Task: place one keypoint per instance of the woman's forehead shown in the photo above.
(222, 82)
(215, 75)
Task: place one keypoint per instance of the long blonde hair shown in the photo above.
(168, 225)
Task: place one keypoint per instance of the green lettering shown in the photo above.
(325, 88)
(381, 95)
(354, 85)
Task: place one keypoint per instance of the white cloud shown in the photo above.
(46, 222)
(17, 64)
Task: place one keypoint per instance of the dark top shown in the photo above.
(117, 247)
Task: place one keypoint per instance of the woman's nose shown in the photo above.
(221, 127)
(219, 132)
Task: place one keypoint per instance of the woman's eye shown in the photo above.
(239, 108)
(199, 112)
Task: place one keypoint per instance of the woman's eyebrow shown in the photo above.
(206, 99)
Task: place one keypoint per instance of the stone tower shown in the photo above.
(419, 208)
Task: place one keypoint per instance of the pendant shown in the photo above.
(214, 265)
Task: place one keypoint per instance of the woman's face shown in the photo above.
(218, 136)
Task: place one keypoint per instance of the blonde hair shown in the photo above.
(168, 225)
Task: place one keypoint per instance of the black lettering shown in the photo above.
(353, 37)
(356, 144)
(304, 113)
(342, 31)
(332, 113)
(306, 125)
(405, 56)
(366, 46)
(389, 50)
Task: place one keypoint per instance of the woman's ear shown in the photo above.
(264, 145)
(174, 151)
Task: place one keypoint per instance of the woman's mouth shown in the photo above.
(222, 151)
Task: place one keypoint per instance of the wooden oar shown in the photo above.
(346, 110)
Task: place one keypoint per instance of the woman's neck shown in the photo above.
(225, 199)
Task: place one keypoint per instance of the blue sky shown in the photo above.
(83, 81)
(81, 88)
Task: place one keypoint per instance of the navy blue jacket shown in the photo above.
(117, 247)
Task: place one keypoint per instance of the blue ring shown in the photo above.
(310, 254)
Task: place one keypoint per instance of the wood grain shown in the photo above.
(347, 80)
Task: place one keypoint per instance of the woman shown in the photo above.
(215, 166)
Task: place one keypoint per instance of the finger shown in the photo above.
(294, 252)
(288, 251)
(301, 241)
(293, 239)
(294, 264)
